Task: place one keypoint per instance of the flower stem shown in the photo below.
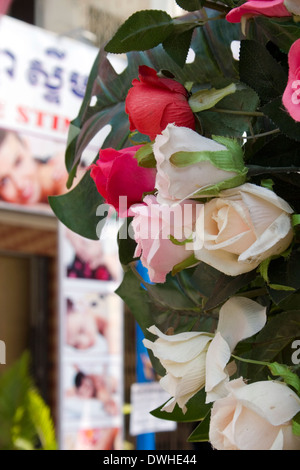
(251, 361)
(238, 113)
(264, 134)
(255, 170)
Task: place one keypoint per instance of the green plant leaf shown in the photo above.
(42, 420)
(259, 70)
(201, 433)
(284, 272)
(206, 99)
(289, 377)
(141, 31)
(281, 32)
(278, 333)
(296, 424)
(222, 120)
(280, 117)
(78, 208)
(197, 409)
(145, 156)
(190, 5)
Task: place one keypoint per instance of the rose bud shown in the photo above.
(154, 102)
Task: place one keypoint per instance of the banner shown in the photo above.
(42, 83)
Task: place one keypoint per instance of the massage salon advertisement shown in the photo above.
(42, 84)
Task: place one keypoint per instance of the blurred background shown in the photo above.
(71, 354)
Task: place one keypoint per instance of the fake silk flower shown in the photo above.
(188, 164)
(270, 8)
(117, 174)
(153, 102)
(255, 417)
(194, 360)
(242, 227)
(153, 224)
(291, 96)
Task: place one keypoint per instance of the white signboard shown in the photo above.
(146, 397)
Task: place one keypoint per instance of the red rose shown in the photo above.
(153, 103)
(117, 173)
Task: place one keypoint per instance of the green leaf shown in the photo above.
(197, 409)
(201, 433)
(227, 286)
(168, 305)
(141, 31)
(178, 43)
(296, 424)
(41, 418)
(206, 99)
(227, 160)
(190, 5)
(289, 377)
(259, 70)
(280, 31)
(271, 341)
(78, 208)
(222, 120)
(183, 159)
(281, 287)
(145, 156)
(284, 272)
(26, 422)
(280, 117)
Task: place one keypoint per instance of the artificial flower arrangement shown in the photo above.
(202, 166)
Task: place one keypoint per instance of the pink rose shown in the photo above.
(153, 224)
(154, 102)
(271, 8)
(117, 173)
(291, 95)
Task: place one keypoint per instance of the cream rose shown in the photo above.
(255, 417)
(188, 163)
(194, 360)
(242, 227)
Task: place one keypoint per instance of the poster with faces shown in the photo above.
(91, 341)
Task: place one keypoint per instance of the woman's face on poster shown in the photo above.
(19, 179)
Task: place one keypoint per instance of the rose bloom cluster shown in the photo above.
(193, 204)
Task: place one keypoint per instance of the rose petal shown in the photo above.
(217, 357)
(240, 318)
(272, 400)
(273, 241)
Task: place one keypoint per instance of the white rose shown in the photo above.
(194, 360)
(242, 227)
(255, 417)
(188, 163)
